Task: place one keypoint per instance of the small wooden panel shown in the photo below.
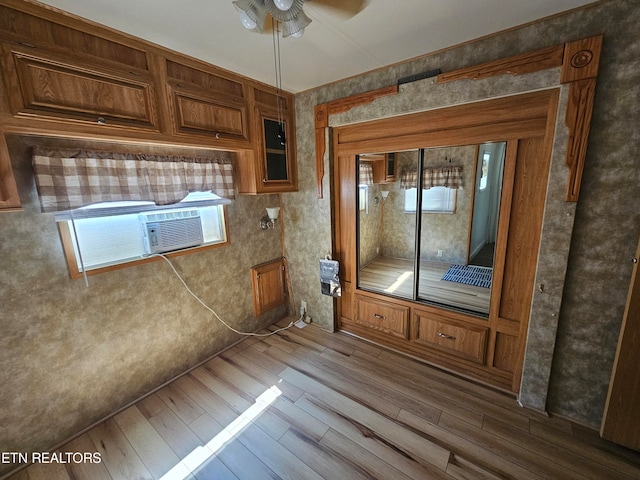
(62, 91)
(207, 81)
(195, 114)
(346, 304)
(506, 356)
(581, 59)
(435, 331)
(270, 99)
(517, 65)
(267, 280)
(382, 316)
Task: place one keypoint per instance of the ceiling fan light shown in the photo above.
(252, 13)
(283, 5)
(247, 22)
(298, 34)
(295, 25)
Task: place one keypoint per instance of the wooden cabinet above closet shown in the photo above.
(67, 77)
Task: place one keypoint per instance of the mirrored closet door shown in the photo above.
(445, 255)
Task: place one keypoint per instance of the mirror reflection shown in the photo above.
(445, 255)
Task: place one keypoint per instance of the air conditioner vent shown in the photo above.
(173, 230)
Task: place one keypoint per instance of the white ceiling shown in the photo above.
(332, 48)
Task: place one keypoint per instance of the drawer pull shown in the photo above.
(381, 317)
(444, 335)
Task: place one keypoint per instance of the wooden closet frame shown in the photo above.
(519, 119)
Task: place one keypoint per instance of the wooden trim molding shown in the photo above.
(9, 198)
(322, 112)
(578, 120)
(579, 61)
(579, 70)
(517, 65)
(321, 123)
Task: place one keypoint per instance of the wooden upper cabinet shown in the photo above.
(276, 155)
(206, 103)
(44, 85)
(54, 71)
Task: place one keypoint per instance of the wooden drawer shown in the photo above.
(463, 340)
(382, 316)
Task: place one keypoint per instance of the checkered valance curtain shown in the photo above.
(450, 177)
(408, 179)
(68, 179)
(366, 174)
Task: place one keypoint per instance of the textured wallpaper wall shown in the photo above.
(607, 217)
(69, 355)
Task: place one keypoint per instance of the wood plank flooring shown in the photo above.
(395, 276)
(307, 404)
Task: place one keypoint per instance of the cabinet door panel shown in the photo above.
(64, 91)
(208, 116)
(268, 286)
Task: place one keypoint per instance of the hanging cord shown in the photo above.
(275, 34)
(249, 334)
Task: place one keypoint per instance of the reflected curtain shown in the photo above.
(72, 178)
(450, 177)
(365, 174)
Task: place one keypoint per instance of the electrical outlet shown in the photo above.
(439, 253)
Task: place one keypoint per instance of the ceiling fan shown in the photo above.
(289, 13)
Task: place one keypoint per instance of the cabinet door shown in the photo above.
(45, 87)
(198, 114)
(276, 154)
(268, 286)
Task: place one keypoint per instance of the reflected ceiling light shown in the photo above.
(289, 13)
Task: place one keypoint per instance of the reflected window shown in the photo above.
(434, 200)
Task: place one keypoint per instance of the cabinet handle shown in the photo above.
(381, 317)
(25, 44)
(101, 121)
(444, 335)
(264, 180)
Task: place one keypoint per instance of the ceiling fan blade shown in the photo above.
(348, 8)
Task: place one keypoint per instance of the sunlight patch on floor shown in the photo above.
(202, 454)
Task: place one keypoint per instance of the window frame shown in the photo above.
(74, 270)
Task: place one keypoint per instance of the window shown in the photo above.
(107, 236)
(434, 200)
(114, 209)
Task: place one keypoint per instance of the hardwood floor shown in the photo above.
(395, 276)
(306, 404)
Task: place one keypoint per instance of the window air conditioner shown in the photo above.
(172, 230)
